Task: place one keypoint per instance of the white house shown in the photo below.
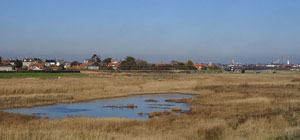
(28, 61)
(49, 63)
(6, 68)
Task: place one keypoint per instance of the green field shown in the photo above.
(11, 75)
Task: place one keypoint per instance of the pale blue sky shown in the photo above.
(250, 31)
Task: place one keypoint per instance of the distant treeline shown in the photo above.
(131, 63)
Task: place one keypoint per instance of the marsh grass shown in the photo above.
(247, 106)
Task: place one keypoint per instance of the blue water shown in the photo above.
(99, 108)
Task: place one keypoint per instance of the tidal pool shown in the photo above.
(113, 107)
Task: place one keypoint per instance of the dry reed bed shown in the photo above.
(29, 92)
(228, 106)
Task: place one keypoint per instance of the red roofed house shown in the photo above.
(201, 66)
(36, 66)
(114, 61)
(114, 65)
(79, 67)
(6, 62)
(5, 65)
(214, 67)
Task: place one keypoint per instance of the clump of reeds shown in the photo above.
(150, 100)
(198, 88)
(296, 80)
(245, 85)
(176, 109)
(211, 133)
(159, 113)
(46, 117)
(161, 104)
(182, 100)
(140, 113)
(132, 106)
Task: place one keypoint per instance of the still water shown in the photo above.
(114, 107)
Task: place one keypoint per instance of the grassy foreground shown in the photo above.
(227, 106)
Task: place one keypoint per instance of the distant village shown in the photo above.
(130, 63)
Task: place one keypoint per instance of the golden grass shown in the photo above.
(227, 106)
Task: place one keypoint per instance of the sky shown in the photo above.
(248, 31)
